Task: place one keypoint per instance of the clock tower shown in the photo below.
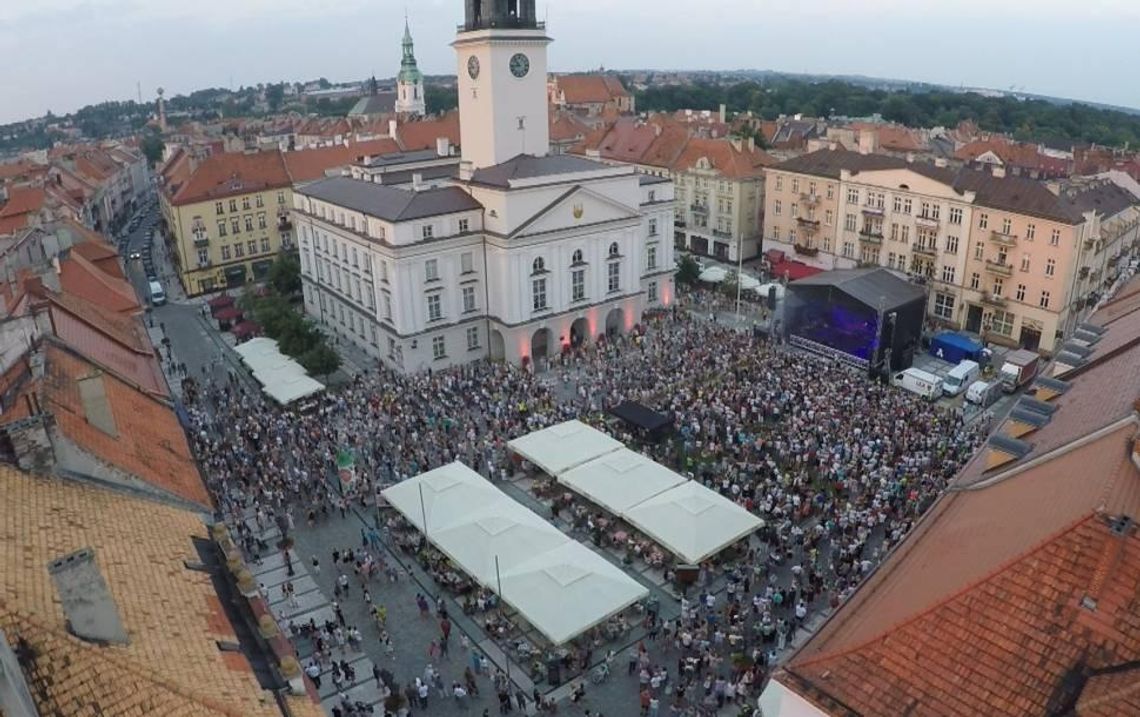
(501, 53)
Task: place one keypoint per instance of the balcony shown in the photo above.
(809, 197)
(804, 250)
(810, 225)
(870, 236)
(926, 220)
(679, 223)
(1002, 239)
(992, 299)
(284, 224)
(999, 268)
(876, 211)
(721, 234)
(923, 250)
(699, 208)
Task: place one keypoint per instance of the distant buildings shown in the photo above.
(590, 95)
(1008, 257)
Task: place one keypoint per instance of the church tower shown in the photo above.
(501, 53)
(410, 81)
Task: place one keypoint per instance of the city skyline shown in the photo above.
(123, 44)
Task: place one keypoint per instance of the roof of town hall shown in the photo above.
(173, 618)
(1016, 594)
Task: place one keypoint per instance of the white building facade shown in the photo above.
(523, 255)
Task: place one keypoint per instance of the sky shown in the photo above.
(60, 55)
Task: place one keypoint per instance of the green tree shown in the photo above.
(320, 360)
(439, 99)
(688, 271)
(285, 274)
(731, 281)
(152, 148)
(275, 95)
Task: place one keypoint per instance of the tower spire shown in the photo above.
(410, 81)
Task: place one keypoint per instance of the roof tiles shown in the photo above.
(229, 174)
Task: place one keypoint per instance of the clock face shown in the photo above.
(473, 66)
(520, 65)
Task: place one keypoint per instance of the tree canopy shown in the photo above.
(1024, 119)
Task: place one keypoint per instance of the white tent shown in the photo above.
(714, 274)
(557, 585)
(692, 521)
(568, 590)
(620, 480)
(559, 448)
(749, 283)
(282, 378)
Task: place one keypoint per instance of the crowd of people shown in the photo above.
(838, 468)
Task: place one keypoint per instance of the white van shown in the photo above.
(960, 377)
(918, 381)
(983, 393)
(157, 295)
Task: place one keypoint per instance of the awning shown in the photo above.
(246, 328)
(692, 521)
(559, 448)
(229, 314)
(620, 480)
(221, 301)
(641, 416)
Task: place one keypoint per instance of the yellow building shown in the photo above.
(227, 217)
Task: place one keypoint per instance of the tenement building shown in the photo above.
(1016, 260)
(519, 254)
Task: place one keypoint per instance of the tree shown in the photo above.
(285, 274)
(688, 270)
(275, 95)
(438, 99)
(731, 281)
(152, 148)
(320, 360)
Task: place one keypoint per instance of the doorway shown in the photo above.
(540, 344)
(974, 319)
(579, 332)
(1030, 338)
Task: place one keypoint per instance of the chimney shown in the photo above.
(737, 143)
(751, 143)
(29, 438)
(3, 193)
(723, 113)
(910, 157)
(998, 172)
(417, 181)
(88, 606)
(442, 146)
(392, 128)
(1054, 187)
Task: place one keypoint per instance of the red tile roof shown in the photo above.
(22, 200)
(892, 137)
(565, 126)
(725, 158)
(225, 175)
(148, 442)
(979, 611)
(80, 277)
(1111, 694)
(590, 89)
(137, 367)
(424, 133)
(308, 164)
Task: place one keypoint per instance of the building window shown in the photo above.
(426, 231)
(464, 225)
(1030, 231)
(203, 257)
(614, 250)
(472, 338)
(891, 259)
(975, 280)
(905, 238)
(281, 197)
(218, 208)
(828, 217)
(795, 210)
(226, 252)
(539, 266)
(652, 196)
(1020, 293)
(897, 204)
(245, 203)
(983, 220)
(906, 205)
(614, 277)
(944, 306)
(355, 259)
(1006, 226)
(235, 226)
(1044, 303)
(239, 250)
(576, 257)
(261, 223)
(999, 286)
(778, 208)
(391, 348)
(894, 231)
(979, 251)
(431, 270)
(1025, 262)
(578, 285)
(1050, 267)
(652, 227)
(221, 229)
(251, 246)
(848, 249)
(383, 270)
(233, 205)
(849, 222)
(948, 274)
(387, 307)
(1002, 323)
(779, 183)
(651, 293)
(538, 294)
(1055, 237)
(852, 195)
(795, 184)
(951, 245)
(651, 257)
(438, 347)
(468, 299)
(434, 308)
(466, 262)
(955, 215)
(259, 201)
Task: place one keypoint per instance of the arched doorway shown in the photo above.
(498, 346)
(614, 321)
(540, 344)
(579, 332)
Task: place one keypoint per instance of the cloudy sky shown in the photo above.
(63, 54)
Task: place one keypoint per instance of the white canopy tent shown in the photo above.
(714, 274)
(561, 447)
(282, 378)
(620, 480)
(557, 585)
(692, 521)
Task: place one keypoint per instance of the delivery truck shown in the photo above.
(1018, 369)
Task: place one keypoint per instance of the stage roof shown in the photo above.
(557, 585)
(868, 286)
(559, 448)
(640, 415)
